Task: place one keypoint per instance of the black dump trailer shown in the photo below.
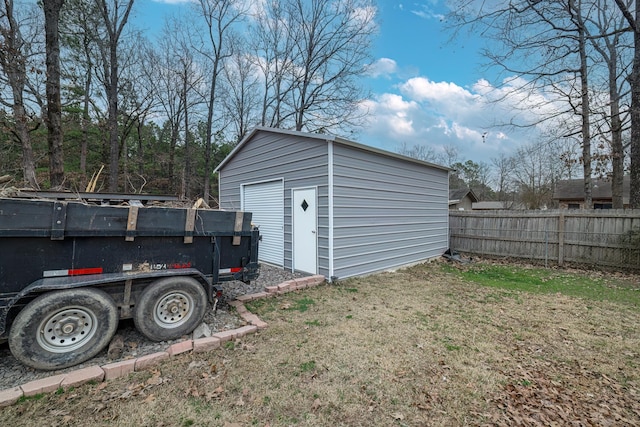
(69, 271)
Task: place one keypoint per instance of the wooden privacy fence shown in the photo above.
(608, 238)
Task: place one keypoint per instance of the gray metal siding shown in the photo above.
(300, 161)
(323, 230)
(387, 212)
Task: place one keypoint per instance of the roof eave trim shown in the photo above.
(236, 149)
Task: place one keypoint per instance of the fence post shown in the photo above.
(560, 239)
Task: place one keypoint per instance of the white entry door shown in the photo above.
(305, 236)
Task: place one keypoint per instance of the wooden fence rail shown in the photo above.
(608, 238)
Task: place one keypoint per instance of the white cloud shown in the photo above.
(364, 15)
(253, 7)
(426, 11)
(443, 114)
(390, 115)
(383, 67)
(423, 89)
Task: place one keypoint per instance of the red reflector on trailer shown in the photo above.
(82, 271)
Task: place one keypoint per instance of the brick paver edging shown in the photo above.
(125, 367)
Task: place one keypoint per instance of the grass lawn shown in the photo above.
(432, 345)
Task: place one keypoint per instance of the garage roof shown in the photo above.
(326, 138)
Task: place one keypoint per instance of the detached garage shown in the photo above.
(329, 206)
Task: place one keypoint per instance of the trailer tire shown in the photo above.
(170, 308)
(63, 328)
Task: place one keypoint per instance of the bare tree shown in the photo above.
(634, 80)
(451, 154)
(242, 99)
(115, 14)
(575, 9)
(167, 76)
(503, 167)
(14, 53)
(272, 46)
(54, 106)
(421, 152)
(546, 44)
(332, 41)
(180, 82)
(312, 53)
(80, 28)
(137, 102)
(536, 171)
(220, 17)
(608, 42)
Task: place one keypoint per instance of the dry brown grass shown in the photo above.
(418, 347)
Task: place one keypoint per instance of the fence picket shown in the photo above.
(593, 237)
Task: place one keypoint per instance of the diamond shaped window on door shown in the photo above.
(304, 205)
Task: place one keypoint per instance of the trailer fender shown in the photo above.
(72, 282)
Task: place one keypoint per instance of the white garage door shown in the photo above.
(266, 202)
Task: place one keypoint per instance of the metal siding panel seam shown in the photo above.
(330, 191)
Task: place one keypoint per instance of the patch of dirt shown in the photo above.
(415, 347)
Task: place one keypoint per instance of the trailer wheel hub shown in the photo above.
(66, 329)
(173, 309)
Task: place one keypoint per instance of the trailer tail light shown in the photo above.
(230, 270)
(72, 272)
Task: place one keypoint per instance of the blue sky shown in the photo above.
(425, 88)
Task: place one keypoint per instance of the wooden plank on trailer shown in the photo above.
(132, 223)
(189, 225)
(238, 227)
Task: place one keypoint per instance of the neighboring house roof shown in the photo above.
(573, 189)
(455, 196)
(326, 138)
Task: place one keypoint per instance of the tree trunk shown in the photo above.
(173, 142)
(112, 121)
(617, 149)
(187, 150)
(28, 162)
(54, 107)
(114, 23)
(585, 110)
(84, 125)
(13, 63)
(634, 80)
(140, 156)
(208, 142)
